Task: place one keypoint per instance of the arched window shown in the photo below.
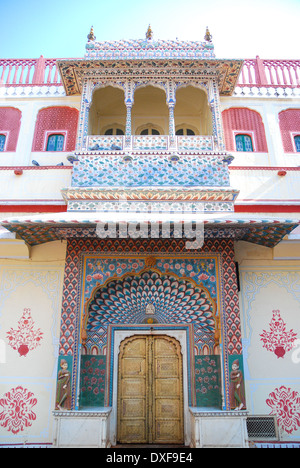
(56, 120)
(185, 131)
(55, 142)
(150, 131)
(243, 143)
(114, 131)
(297, 143)
(289, 122)
(244, 121)
(10, 124)
(2, 142)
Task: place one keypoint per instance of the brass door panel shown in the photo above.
(167, 391)
(132, 401)
(150, 398)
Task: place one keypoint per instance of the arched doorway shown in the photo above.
(107, 112)
(150, 111)
(150, 391)
(192, 111)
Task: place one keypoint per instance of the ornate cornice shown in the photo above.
(37, 230)
(74, 72)
(100, 413)
(150, 194)
(201, 413)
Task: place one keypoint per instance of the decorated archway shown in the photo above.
(152, 293)
(149, 295)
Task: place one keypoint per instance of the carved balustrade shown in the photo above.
(150, 142)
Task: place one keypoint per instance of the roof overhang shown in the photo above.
(259, 230)
(74, 71)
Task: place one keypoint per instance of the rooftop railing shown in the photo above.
(29, 72)
(255, 72)
(270, 73)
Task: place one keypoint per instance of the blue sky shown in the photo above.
(240, 28)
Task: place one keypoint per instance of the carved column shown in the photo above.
(171, 101)
(214, 105)
(129, 101)
(128, 142)
(172, 136)
(84, 117)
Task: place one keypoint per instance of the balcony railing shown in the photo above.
(152, 143)
(255, 72)
(29, 72)
(270, 73)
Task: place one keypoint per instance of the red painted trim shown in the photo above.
(233, 168)
(267, 208)
(272, 201)
(33, 168)
(63, 208)
(263, 168)
(33, 208)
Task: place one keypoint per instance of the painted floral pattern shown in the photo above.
(285, 404)
(189, 171)
(92, 377)
(142, 48)
(208, 381)
(25, 338)
(278, 340)
(16, 412)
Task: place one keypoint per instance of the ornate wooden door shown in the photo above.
(150, 395)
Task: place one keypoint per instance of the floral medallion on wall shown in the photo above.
(25, 338)
(285, 404)
(278, 340)
(16, 409)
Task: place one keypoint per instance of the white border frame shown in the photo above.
(251, 134)
(55, 132)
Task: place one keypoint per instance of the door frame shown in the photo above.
(150, 357)
(118, 335)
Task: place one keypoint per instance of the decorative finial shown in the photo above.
(149, 33)
(208, 36)
(91, 37)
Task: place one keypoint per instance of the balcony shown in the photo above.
(150, 143)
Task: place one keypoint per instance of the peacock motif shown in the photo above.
(165, 297)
